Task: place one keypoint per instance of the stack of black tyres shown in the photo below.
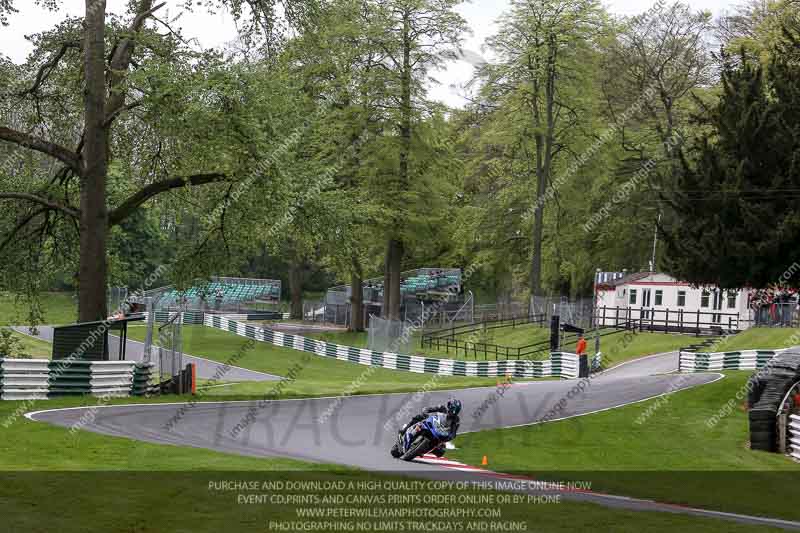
(766, 391)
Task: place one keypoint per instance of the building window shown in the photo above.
(681, 298)
(731, 300)
(659, 297)
(704, 299)
(633, 297)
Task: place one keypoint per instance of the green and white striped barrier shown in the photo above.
(742, 360)
(794, 436)
(39, 379)
(560, 364)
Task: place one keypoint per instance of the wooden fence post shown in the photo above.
(698, 323)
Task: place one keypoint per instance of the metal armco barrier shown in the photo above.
(39, 379)
(794, 436)
(197, 317)
(742, 360)
(560, 364)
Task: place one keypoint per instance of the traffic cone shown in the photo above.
(485, 461)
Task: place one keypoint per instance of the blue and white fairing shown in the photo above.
(436, 424)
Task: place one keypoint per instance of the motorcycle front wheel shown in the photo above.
(417, 448)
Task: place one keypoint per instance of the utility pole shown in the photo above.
(655, 244)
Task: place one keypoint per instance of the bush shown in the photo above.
(10, 345)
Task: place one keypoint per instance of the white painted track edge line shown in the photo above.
(31, 414)
(539, 422)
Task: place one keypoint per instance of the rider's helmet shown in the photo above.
(453, 407)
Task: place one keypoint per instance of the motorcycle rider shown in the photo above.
(452, 409)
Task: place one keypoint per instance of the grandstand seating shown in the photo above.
(423, 282)
(222, 292)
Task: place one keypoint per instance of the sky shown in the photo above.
(218, 29)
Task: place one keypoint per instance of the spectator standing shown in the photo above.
(581, 347)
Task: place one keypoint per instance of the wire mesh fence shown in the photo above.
(168, 344)
(389, 335)
(576, 312)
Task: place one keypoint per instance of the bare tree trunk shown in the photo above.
(296, 289)
(395, 267)
(538, 234)
(92, 272)
(387, 281)
(538, 220)
(544, 158)
(356, 296)
(395, 248)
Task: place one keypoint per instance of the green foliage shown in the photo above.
(10, 345)
(736, 221)
(137, 248)
(329, 145)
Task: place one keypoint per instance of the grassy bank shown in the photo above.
(316, 376)
(57, 308)
(758, 338)
(34, 348)
(662, 449)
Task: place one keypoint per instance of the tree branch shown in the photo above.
(48, 68)
(66, 156)
(127, 207)
(20, 225)
(121, 58)
(47, 202)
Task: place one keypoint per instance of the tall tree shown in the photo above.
(114, 83)
(656, 61)
(539, 46)
(413, 37)
(734, 219)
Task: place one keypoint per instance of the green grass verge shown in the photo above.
(319, 376)
(672, 455)
(758, 338)
(35, 348)
(57, 307)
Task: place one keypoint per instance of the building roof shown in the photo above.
(636, 276)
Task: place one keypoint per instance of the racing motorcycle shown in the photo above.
(423, 437)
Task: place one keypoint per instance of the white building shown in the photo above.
(654, 301)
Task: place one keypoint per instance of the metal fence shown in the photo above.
(168, 344)
(452, 338)
(576, 312)
(389, 335)
(499, 311)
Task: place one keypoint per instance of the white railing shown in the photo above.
(794, 436)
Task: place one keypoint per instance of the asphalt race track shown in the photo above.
(359, 430)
